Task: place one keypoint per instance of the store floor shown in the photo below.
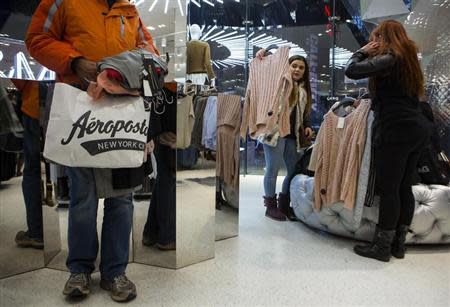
(269, 264)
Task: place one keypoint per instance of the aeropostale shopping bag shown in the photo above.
(107, 133)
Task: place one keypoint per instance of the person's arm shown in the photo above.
(144, 40)
(45, 38)
(207, 62)
(360, 66)
(307, 116)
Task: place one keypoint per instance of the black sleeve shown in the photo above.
(273, 46)
(307, 120)
(359, 66)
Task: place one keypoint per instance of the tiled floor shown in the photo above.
(269, 264)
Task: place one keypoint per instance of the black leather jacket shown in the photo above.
(397, 115)
(360, 66)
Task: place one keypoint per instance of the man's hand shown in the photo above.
(85, 70)
(168, 139)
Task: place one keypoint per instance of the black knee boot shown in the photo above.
(398, 245)
(379, 248)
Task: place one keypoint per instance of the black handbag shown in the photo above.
(433, 167)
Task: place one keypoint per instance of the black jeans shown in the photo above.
(396, 165)
(161, 218)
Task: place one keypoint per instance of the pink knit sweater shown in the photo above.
(337, 156)
(269, 85)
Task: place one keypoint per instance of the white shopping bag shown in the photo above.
(107, 133)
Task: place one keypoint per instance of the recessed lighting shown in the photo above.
(151, 28)
(161, 26)
(208, 2)
(320, 34)
(153, 5)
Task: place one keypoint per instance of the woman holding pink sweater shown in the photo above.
(286, 149)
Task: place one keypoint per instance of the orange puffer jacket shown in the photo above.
(62, 30)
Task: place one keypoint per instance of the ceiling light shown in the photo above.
(196, 3)
(166, 7)
(151, 28)
(209, 32)
(320, 34)
(207, 2)
(153, 5)
(181, 8)
(161, 26)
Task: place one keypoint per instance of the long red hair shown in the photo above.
(392, 37)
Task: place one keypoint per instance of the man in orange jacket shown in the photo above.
(69, 37)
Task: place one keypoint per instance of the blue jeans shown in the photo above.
(285, 151)
(31, 183)
(82, 233)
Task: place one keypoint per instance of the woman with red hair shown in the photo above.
(400, 130)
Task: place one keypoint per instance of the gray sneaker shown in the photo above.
(23, 239)
(121, 288)
(77, 285)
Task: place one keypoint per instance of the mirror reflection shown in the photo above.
(22, 178)
(198, 58)
(154, 232)
(228, 157)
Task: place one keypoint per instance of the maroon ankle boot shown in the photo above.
(272, 210)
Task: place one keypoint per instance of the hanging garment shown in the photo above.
(8, 165)
(185, 122)
(209, 134)
(268, 88)
(365, 189)
(9, 122)
(11, 130)
(187, 158)
(198, 59)
(336, 159)
(199, 78)
(228, 117)
(197, 130)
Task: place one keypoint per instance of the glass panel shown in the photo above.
(15, 61)
(21, 183)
